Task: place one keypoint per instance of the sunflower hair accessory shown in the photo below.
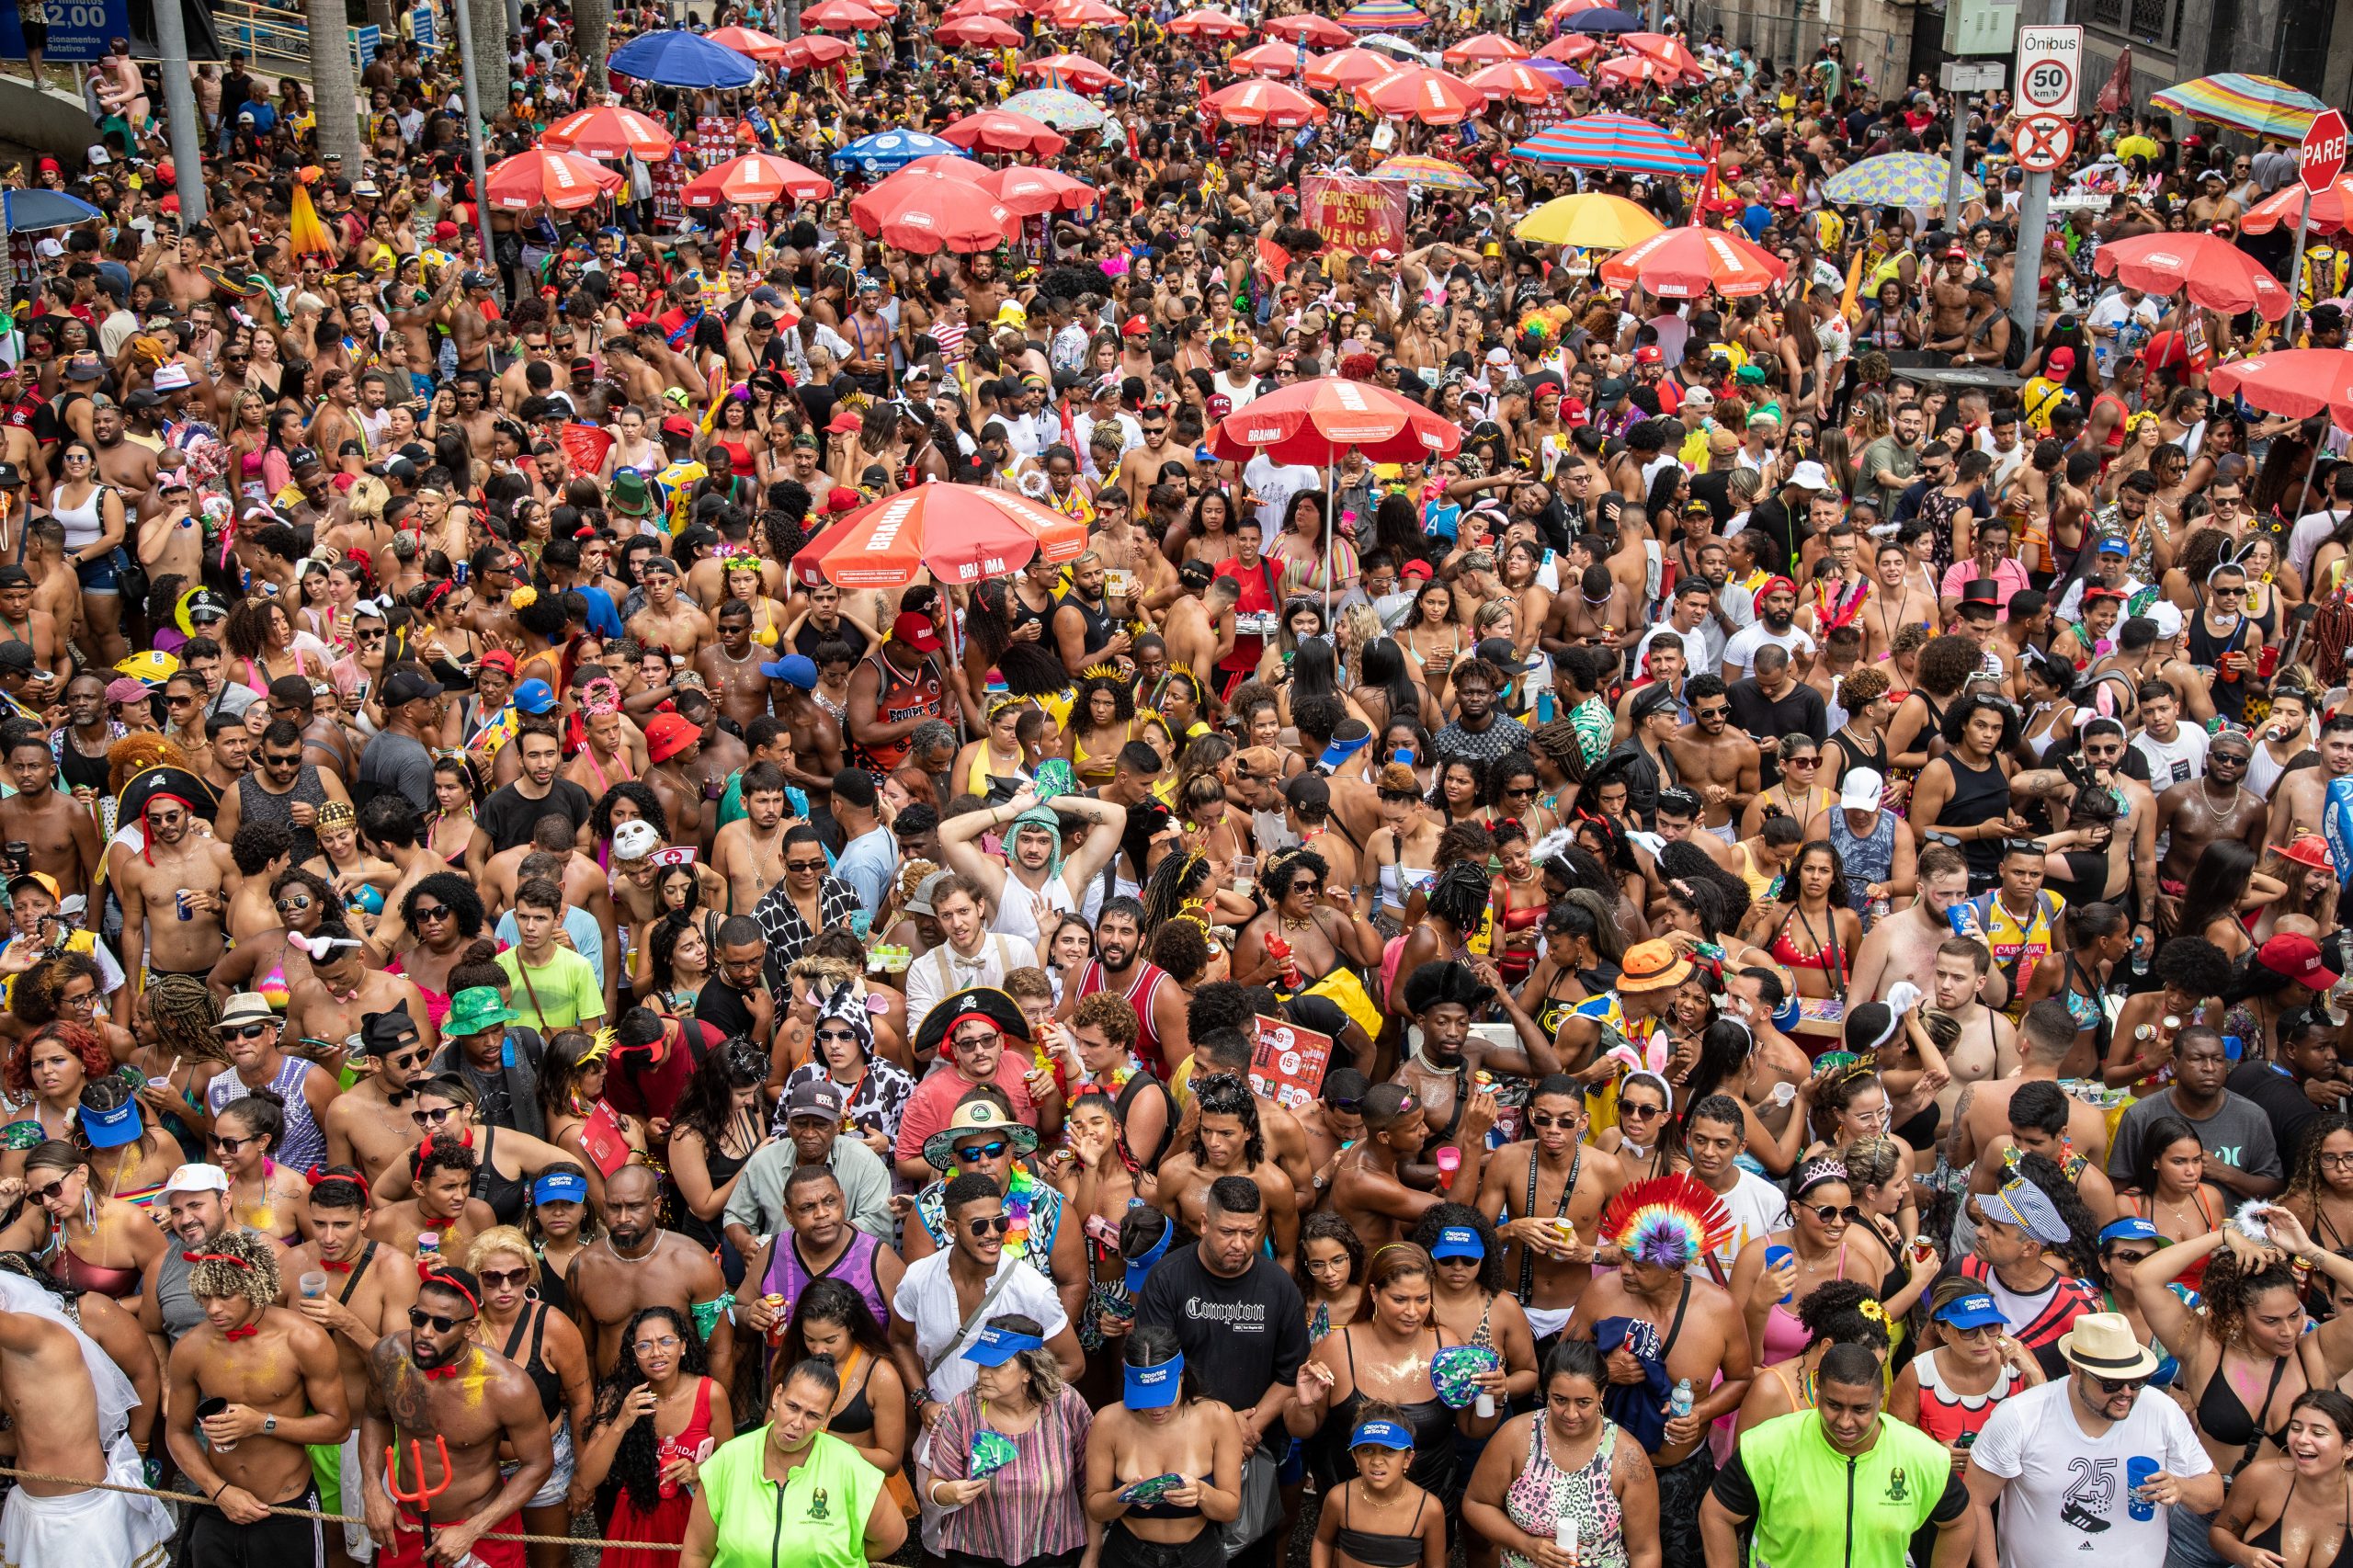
(1869, 1306)
(523, 597)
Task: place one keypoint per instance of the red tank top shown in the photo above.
(1139, 994)
(899, 697)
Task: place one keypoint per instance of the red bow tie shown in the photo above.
(331, 1266)
(245, 1333)
(435, 1374)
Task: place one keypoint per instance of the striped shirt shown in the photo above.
(1031, 1509)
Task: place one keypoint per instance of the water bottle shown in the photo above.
(1678, 1404)
(2140, 955)
(2137, 1471)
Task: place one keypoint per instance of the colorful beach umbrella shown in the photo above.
(813, 49)
(675, 58)
(751, 42)
(1073, 72)
(1308, 28)
(1895, 179)
(1666, 50)
(1625, 70)
(1566, 75)
(1062, 109)
(2260, 106)
(1433, 98)
(1430, 173)
(1589, 220)
(1689, 262)
(1002, 10)
(1604, 19)
(887, 150)
(2214, 272)
(608, 130)
(1384, 17)
(1264, 103)
(1519, 81)
(1208, 22)
(1570, 47)
(1612, 141)
(1070, 16)
(755, 179)
(1274, 58)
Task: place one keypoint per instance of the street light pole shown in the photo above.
(179, 112)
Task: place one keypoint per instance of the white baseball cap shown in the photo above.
(1811, 476)
(198, 1178)
(2168, 617)
(1861, 790)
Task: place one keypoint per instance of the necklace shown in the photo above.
(624, 1257)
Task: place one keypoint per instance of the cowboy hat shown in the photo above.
(975, 1115)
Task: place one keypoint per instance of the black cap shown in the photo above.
(15, 577)
(1982, 591)
(11, 477)
(410, 685)
(15, 656)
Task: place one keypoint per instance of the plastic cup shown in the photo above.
(312, 1284)
(213, 1406)
(1449, 1159)
(1774, 1257)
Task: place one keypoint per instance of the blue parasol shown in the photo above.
(1604, 19)
(680, 59)
(23, 210)
(886, 151)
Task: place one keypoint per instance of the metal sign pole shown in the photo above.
(2296, 272)
(1956, 171)
(464, 10)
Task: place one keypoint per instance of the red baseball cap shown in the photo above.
(1648, 353)
(497, 659)
(2298, 957)
(1573, 413)
(843, 423)
(2063, 361)
(916, 630)
(678, 424)
(842, 498)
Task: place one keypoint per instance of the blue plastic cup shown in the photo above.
(2137, 1471)
(1774, 1257)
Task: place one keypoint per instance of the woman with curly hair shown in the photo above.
(1862, 740)
(678, 964)
(1840, 1312)
(429, 933)
(1101, 720)
(2250, 1336)
(658, 1418)
(1459, 791)
(45, 1080)
(2320, 1193)
(626, 799)
(1944, 668)
(716, 1126)
(1470, 1298)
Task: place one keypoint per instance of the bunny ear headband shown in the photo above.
(319, 947)
(2101, 705)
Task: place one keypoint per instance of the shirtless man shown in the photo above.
(440, 1201)
(1545, 1198)
(55, 587)
(1597, 612)
(63, 834)
(1367, 1190)
(1720, 762)
(370, 1288)
(732, 668)
(343, 990)
(816, 735)
(22, 620)
(46, 1387)
(1904, 944)
(1947, 326)
(1700, 1334)
(2299, 800)
(367, 1127)
(1896, 600)
(749, 852)
(1199, 630)
(1980, 1119)
(667, 621)
(126, 465)
(1226, 1142)
(1987, 1046)
(479, 1403)
(176, 894)
(609, 755)
(637, 1263)
(278, 1371)
(2198, 812)
(676, 746)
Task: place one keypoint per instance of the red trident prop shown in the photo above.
(422, 1497)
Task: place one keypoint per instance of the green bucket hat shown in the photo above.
(629, 494)
(475, 1009)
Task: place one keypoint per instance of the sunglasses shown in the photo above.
(991, 1224)
(1643, 1111)
(1826, 1212)
(51, 1192)
(1802, 762)
(971, 1153)
(419, 1318)
(231, 1145)
(299, 902)
(1539, 1120)
(817, 865)
(835, 1037)
(2119, 1385)
(246, 1032)
(501, 1279)
(433, 1118)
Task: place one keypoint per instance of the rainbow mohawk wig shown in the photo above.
(1666, 1220)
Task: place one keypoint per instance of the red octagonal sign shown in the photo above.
(2322, 158)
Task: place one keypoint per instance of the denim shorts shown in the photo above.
(97, 576)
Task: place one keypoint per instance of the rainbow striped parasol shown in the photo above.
(1612, 141)
(1430, 173)
(2260, 106)
(1384, 16)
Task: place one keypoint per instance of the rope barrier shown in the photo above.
(191, 1497)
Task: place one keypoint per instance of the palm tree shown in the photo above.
(488, 19)
(335, 91)
(593, 22)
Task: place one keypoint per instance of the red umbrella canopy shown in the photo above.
(960, 533)
(978, 32)
(1570, 48)
(1309, 29)
(1353, 68)
(1075, 14)
(1075, 71)
(813, 49)
(1515, 81)
(1002, 130)
(609, 131)
(1485, 50)
(1264, 103)
(2216, 273)
(1314, 422)
(841, 15)
(1271, 59)
(1686, 263)
(755, 179)
(2294, 382)
(2332, 209)
(1003, 10)
(1434, 97)
(562, 180)
(1664, 49)
(749, 42)
(1030, 189)
(925, 211)
(1210, 23)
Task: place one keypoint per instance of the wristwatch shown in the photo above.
(269, 1425)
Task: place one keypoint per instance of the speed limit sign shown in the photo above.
(2050, 69)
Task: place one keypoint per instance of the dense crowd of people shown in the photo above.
(1739, 961)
